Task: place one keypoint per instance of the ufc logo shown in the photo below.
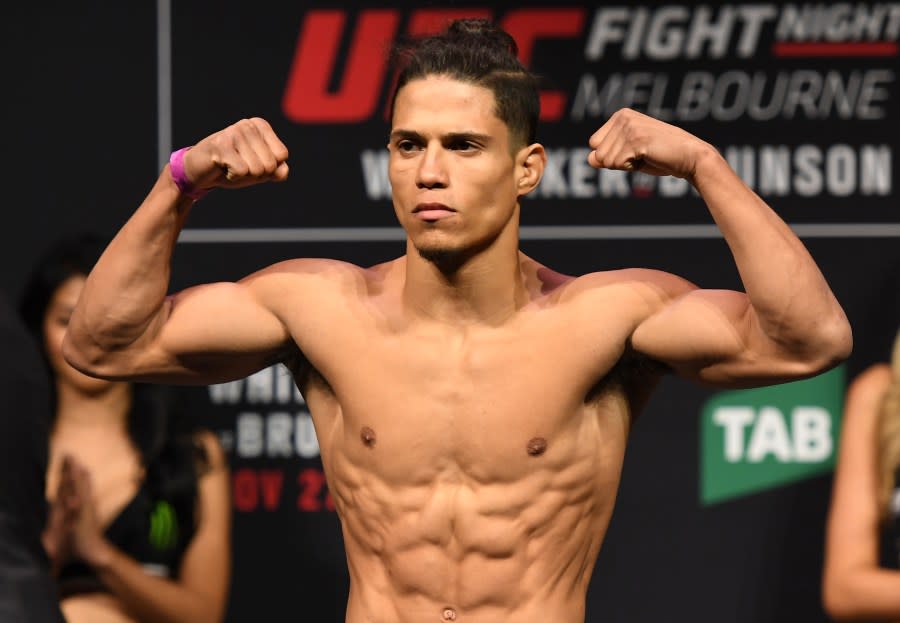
(308, 98)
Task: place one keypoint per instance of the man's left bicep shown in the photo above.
(709, 335)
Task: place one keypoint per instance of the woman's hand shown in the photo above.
(83, 530)
(57, 537)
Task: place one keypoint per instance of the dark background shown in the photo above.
(81, 152)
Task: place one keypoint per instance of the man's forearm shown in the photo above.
(789, 295)
(126, 291)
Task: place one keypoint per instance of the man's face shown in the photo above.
(451, 168)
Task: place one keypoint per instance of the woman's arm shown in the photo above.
(199, 593)
(854, 587)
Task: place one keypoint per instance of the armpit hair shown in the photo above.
(635, 373)
(304, 373)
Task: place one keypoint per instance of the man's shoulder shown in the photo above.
(320, 277)
(319, 269)
(639, 281)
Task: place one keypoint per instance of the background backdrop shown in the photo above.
(721, 509)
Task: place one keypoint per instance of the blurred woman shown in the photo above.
(139, 524)
(862, 556)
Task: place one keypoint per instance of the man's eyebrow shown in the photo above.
(405, 134)
(471, 136)
(401, 134)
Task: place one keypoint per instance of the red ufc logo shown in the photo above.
(308, 98)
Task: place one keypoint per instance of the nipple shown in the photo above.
(536, 446)
(449, 614)
(368, 436)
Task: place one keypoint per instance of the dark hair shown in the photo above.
(172, 459)
(478, 52)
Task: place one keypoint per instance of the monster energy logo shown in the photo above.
(163, 527)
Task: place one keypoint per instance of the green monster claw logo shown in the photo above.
(757, 439)
(163, 526)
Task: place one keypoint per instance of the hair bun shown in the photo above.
(484, 30)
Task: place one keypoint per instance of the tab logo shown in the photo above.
(759, 439)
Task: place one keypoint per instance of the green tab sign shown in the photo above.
(758, 439)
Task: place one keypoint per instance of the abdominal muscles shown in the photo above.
(515, 532)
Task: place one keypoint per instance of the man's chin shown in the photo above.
(440, 255)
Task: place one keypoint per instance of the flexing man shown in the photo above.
(472, 406)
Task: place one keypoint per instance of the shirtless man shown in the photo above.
(472, 406)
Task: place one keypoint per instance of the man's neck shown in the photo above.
(486, 288)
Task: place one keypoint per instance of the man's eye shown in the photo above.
(461, 146)
(406, 146)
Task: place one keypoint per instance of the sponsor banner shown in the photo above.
(759, 439)
(799, 98)
(760, 81)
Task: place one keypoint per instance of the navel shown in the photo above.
(368, 436)
(536, 446)
(449, 614)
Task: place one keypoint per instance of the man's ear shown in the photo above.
(530, 163)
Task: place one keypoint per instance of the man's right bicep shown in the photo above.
(205, 334)
(220, 331)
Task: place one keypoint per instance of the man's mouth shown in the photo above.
(433, 211)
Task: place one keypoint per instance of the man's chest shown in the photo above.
(492, 404)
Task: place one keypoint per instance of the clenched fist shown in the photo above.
(245, 153)
(631, 141)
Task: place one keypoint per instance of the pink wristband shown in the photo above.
(176, 168)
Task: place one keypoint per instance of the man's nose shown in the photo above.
(432, 172)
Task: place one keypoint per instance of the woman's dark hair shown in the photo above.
(480, 53)
(172, 459)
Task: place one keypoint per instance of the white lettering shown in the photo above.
(811, 429)
(553, 183)
(670, 31)
(730, 95)
(809, 439)
(226, 393)
(873, 92)
(776, 170)
(276, 435)
(840, 170)
(582, 176)
(875, 169)
(607, 28)
(696, 91)
(736, 94)
(769, 436)
(375, 173)
(707, 31)
(838, 22)
(754, 16)
(305, 440)
(250, 440)
(664, 38)
(734, 420)
(809, 179)
(279, 427)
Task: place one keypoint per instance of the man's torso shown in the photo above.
(474, 466)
